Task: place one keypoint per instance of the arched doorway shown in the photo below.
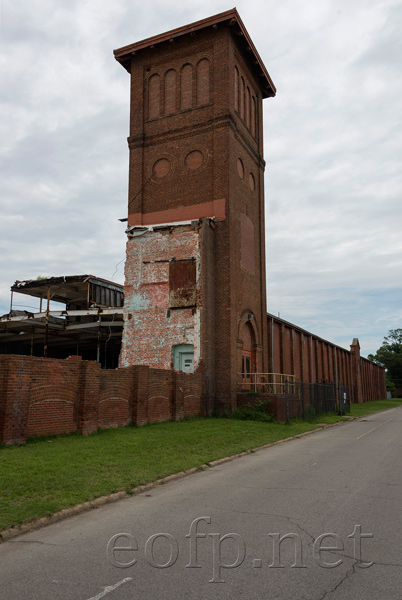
(248, 355)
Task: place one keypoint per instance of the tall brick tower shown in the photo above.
(195, 294)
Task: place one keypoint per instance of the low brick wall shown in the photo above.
(43, 396)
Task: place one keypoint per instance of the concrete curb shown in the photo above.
(9, 534)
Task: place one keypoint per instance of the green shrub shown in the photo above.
(309, 413)
(256, 411)
(391, 387)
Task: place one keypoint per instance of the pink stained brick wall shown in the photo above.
(151, 328)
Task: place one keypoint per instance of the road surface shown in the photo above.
(318, 517)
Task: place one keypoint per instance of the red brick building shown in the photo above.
(195, 291)
(194, 295)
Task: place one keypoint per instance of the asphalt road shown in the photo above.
(253, 528)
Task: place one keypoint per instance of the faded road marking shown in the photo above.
(110, 588)
(380, 425)
(325, 437)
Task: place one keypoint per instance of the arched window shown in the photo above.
(186, 87)
(248, 107)
(248, 356)
(253, 116)
(203, 82)
(236, 88)
(154, 97)
(170, 92)
(242, 94)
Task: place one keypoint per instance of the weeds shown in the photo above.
(254, 411)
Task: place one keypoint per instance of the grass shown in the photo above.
(49, 474)
(367, 408)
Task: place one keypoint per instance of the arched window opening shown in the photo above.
(248, 355)
(186, 87)
(170, 92)
(203, 82)
(248, 107)
(242, 94)
(236, 88)
(154, 97)
(253, 116)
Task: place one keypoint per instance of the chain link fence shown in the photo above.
(308, 400)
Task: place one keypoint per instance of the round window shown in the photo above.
(194, 160)
(161, 168)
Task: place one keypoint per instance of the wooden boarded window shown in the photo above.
(182, 283)
(186, 87)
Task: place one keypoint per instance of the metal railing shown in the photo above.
(303, 400)
(266, 383)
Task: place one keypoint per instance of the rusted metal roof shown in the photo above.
(230, 17)
(78, 289)
(91, 322)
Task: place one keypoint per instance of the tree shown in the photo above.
(390, 354)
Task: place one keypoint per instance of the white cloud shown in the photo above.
(333, 141)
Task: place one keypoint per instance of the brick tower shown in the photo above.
(195, 294)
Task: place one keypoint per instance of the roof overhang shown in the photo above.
(62, 289)
(231, 18)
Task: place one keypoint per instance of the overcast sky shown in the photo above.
(333, 146)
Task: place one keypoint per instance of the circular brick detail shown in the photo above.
(240, 168)
(194, 160)
(161, 168)
(251, 181)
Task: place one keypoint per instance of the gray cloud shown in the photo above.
(333, 142)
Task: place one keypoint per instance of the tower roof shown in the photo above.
(230, 17)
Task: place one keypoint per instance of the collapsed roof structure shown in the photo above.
(89, 324)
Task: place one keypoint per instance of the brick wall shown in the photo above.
(40, 396)
(293, 351)
(151, 326)
(196, 153)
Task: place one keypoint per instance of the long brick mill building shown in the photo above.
(196, 330)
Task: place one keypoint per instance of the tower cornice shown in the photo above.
(230, 18)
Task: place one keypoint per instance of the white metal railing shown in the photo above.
(268, 383)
